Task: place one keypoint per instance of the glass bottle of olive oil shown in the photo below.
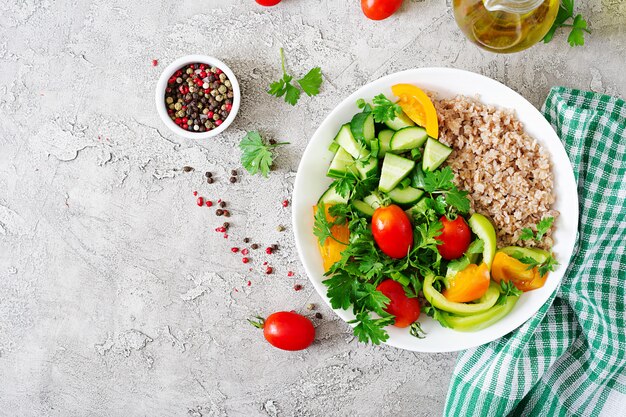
(505, 26)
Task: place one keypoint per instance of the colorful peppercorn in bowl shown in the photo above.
(197, 96)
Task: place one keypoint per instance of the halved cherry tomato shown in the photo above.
(380, 9)
(331, 249)
(469, 284)
(392, 230)
(455, 237)
(505, 267)
(268, 2)
(287, 330)
(418, 106)
(406, 310)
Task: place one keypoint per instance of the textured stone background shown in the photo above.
(116, 295)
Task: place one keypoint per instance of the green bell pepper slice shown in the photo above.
(462, 309)
(482, 320)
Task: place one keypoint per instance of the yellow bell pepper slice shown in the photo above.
(418, 106)
(331, 249)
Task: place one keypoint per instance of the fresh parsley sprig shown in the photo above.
(322, 227)
(383, 109)
(440, 182)
(548, 265)
(507, 289)
(578, 26)
(257, 156)
(542, 227)
(310, 83)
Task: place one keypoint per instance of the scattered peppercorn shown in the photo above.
(209, 203)
(208, 174)
(318, 315)
(200, 201)
(280, 228)
(209, 180)
(198, 99)
(272, 142)
(246, 240)
(233, 172)
(274, 246)
(226, 225)
(234, 250)
(290, 273)
(245, 260)
(268, 251)
(244, 251)
(219, 212)
(233, 180)
(297, 287)
(254, 246)
(195, 193)
(269, 270)
(187, 169)
(222, 204)
(155, 62)
(249, 283)
(226, 213)
(285, 203)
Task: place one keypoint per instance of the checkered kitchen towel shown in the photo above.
(570, 359)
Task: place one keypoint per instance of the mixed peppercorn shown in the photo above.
(199, 97)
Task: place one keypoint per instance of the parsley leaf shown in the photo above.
(578, 26)
(549, 265)
(256, 155)
(543, 268)
(372, 299)
(507, 289)
(322, 227)
(371, 330)
(341, 290)
(527, 234)
(384, 109)
(437, 314)
(438, 180)
(441, 182)
(310, 83)
(458, 199)
(543, 226)
(344, 186)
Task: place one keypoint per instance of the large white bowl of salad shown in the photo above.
(435, 210)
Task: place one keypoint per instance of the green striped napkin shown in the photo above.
(570, 359)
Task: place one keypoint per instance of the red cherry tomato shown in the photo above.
(380, 9)
(455, 238)
(392, 230)
(406, 310)
(287, 330)
(268, 2)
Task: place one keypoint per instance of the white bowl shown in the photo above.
(311, 181)
(159, 96)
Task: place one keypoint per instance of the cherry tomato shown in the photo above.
(268, 2)
(392, 230)
(380, 9)
(406, 310)
(287, 330)
(455, 238)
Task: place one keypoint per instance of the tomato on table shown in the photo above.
(380, 9)
(286, 330)
(406, 309)
(455, 237)
(393, 231)
(268, 2)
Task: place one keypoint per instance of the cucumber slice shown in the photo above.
(395, 168)
(408, 138)
(538, 255)
(345, 139)
(342, 165)
(384, 140)
(401, 121)
(374, 200)
(482, 227)
(362, 127)
(333, 147)
(363, 208)
(405, 196)
(331, 196)
(368, 169)
(435, 153)
(374, 147)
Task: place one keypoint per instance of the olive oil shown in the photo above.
(504, 30)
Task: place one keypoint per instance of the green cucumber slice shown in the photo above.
(399, 122)
(342, 165)
(435, 153)
(368, 169)
(405, 196)
(408, 138)
(482, 227)
(395, 169)
(363, 208)
(384, 140)
(333, 147)
(374, 200)
(345, 139)
(331, 196)
(362, 127)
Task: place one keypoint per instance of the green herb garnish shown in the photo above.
(578, 25)
(256, 155)
(542, 228)
(384, 109)
(310, 83)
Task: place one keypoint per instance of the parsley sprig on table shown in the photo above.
(578, 25)
(310, 84)
(257, 156)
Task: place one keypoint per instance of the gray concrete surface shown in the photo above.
(117, 298)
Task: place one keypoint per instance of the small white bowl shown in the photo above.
(159, 96)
